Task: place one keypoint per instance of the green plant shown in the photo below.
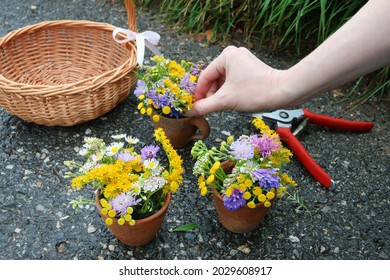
(246, 171)
(167, 88)
(298, 201)
(366, 87)
(186, 227)
(132, 185)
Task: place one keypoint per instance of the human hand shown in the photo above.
(237, 80)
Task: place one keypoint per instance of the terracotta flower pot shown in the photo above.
(183, 131)
(242, 220)
(143, 231)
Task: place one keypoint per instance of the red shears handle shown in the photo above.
(300, 152)
(337, 123)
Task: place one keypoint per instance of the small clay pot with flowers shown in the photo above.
(166, 92)
(245, 176)
(132, 189)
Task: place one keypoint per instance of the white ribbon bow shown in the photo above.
(148, 38)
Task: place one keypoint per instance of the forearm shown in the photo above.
(359, 47)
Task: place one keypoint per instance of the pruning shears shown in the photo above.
(289, 123)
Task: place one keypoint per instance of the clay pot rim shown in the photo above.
(139, 222)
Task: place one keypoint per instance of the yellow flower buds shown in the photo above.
(210, 179)
(108, 221)
(251, 204)
(166, 110)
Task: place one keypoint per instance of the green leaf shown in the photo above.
(187, 227)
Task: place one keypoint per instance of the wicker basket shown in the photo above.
(65, 72)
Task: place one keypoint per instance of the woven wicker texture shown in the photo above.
(65, 72)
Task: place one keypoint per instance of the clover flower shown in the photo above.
(187, 84)
(266, 144)
(140, 88)
(153, 183)
(149, 152)
(235, 200)
(242, 149)
(121, 202)
(124, 156)
(267, 178)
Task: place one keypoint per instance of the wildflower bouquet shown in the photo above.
(132, 185)
(167, 88)
(256, 174)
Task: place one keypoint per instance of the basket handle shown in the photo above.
(131, 17)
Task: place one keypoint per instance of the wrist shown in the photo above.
(290, 90)
(299, 83)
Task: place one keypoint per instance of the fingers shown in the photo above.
(211, 77)
(219, 101)
(204, 106)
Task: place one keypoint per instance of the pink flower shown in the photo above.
(265, 144)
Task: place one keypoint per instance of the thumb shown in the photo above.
(208, 105)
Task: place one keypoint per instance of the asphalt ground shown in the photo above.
(349, 223)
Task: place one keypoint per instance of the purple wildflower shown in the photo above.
(149, 152)
(126, 157)
(175, 113)
(140, 88)
(242, 149)
(158, 100)
(123, 201)
(197, 68)
(235, 200)
(267, 178)
(266, 144)
(187, 84)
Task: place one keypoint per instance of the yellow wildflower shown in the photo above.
(121, 221)
(112, 213)
(242, 187)
(251, 204)
(286, 180)
(247, 195)
(174, 186)
(166, 110)
(127, 217)
(261, 197)
(176, 69)
(248, 183)
(210, 179)
(216, 165)
(256, 191)
(202, 184)
(270, 195)
(267, 204)
(108, 221)
(229, 191)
